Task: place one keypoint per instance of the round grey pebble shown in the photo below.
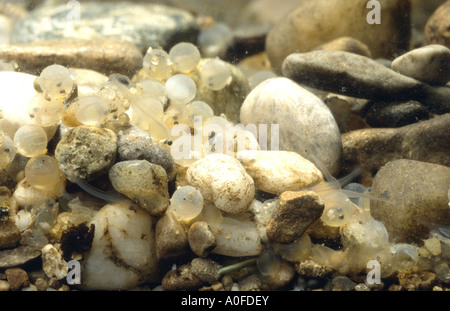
(86, 152)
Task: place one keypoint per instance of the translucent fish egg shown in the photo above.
(91, 110)
(215, 74)
(180, 89)
(30, 140)
(42, 172)
(404, 256)
(198, 112)
(152, 88)
(7, 151)
(268, 263)
(55, 81)
(157, 63)
(215, 39)
(186, 203)
(184, 56)
(45, 112)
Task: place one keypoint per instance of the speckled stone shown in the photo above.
(416, 191)
(370, 149)
(279, 171)
(201, 239)
(294, 213)
(436, 28)
(143, 182)
(86, 152)
(17, 256)
(181, 279)
(142, 24)
(136, 144)
(17, 278)
(106, 56)
(171, 239)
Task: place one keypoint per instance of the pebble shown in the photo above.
(53, 263)
(429, 64)
(17, 256)
(395, 114)
(342, 283)
(182, 278)
(9, 235)
(313, 23)
(416, 191)
(123, 250)
(201, 239)
(346, 44)
(418, 281)
(136, 144)
(436, 28)
(347, 73)
(423, 141)
(206, 270)
(171, 238)
(106, 56)
(306, 125)
(143, 182)
(278, 171)
(309, 268)
(86, 152)
(17, 278)
(294, 213)
(142, 24)
(223, 181)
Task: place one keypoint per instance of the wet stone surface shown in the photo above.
(120, 20)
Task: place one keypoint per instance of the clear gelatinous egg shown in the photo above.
(56, 82)
(7, 150)
(180, 89)
(198, 112)
(45, 112)
(214, 40)
(157, 63)
(152, 88)
(268, 263)
(184, 56)
(404, 256)
(42, 172)
(91, 110)
(30, 140)
(215, 74)
(186, 203)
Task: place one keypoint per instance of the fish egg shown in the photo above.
(197, 109)
(152, 88)
(404, 256)
(180, 89)
(157, 63)
(215, 74)
(91, 110)
(184, 56)
(45, 112)
(30, 140)
(7, 151)
(186, 203)
(42, 172)
(56, 82)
